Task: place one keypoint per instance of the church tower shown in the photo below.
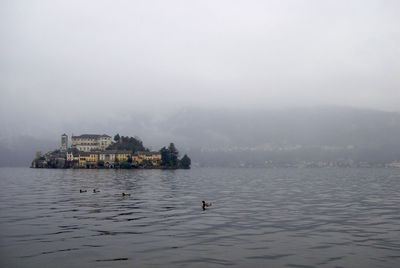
(64, 143)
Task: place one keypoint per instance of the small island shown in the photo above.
(95, 151)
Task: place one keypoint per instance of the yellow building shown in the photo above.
(123, 156)
(112, 157)
(153, 157)
(88, 159)
(109, 157)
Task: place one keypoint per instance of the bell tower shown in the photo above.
(64, 143)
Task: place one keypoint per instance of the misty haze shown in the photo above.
(231, 71)
(288, 110)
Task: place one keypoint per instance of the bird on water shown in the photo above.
(206, 205)
(95, 191)
(82, 191)
(125, 194)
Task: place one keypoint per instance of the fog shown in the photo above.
(129, 67)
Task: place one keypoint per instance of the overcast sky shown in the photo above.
(96, 60)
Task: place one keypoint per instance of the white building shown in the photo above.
(91, 142)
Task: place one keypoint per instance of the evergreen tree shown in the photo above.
(185, 162)
(128, 144)
(125, 165)
(169, 157)
(173, 154)
(116, 138)
(165, 157)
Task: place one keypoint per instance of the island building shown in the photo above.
(153, 157)
(90, 142)
(111, 158)
(64, 143)
(72, 155)
(88, 159)
(90, 151)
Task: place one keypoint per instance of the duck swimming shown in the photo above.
(206, 205)
(95, 191)
(124, 194)
(82, 191)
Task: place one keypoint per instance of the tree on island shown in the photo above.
(169, 158)
(127, 143)
(164, 156)
(174, 153)
(125, 165)
(116, 137)
(185, 162)
(147, 164)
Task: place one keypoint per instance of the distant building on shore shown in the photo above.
(91, 142)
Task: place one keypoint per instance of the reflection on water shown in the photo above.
(259, 218)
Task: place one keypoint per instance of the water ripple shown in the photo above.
(259, 218)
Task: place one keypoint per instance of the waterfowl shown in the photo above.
(82, 191)
(124, 194)
(95, 191)
(206, 205)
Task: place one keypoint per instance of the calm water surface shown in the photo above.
(259, 218)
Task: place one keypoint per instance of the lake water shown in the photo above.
(259, 218)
